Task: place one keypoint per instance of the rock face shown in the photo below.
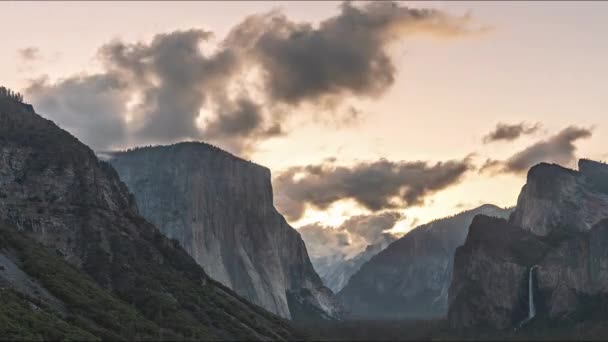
(336, 270)
(560, 228)
(411, 277)
(558, 198)
(220, 208)
(489, 286)
(54, 190)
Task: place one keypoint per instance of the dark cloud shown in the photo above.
(174, 78)
(558, 149)
(509, 132)
(322, 240)
(351, 237)
(90, 107)
(371, 227)
(241, 120)
(346, 54)
(376, 186)
(164, 85)
(29, 54)
(238, 124)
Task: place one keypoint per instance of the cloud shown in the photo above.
(238, 124)
(265, 67)
(378, 185)
(509, 132)
(349, 238)
(345, 55)
(371, 227)
(174, 78)
(171, 77)
(29, 54)
(90, 107)
(558, 148)
(322, 240)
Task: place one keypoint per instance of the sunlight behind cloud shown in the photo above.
(333, 216)
(203, 114)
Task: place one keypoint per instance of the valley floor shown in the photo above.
(438, 330)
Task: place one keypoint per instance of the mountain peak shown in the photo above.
(487, 206)
(585, 165)
(556, 197)
(544, 170)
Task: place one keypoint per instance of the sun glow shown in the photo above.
(332, 216)
(203, 116)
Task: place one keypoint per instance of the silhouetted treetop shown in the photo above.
(8, 93)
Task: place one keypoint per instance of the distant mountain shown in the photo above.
(336, 269)
(555, 243)
(60, 205)
(220, 209)
(411, 277)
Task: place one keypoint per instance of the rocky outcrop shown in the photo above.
(555, 197)
(54, 190)
(411, 277)
(489, 286)
(220, 208)
(560, 228)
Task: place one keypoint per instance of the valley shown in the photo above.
(303, 171)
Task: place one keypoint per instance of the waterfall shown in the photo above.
(531, 306)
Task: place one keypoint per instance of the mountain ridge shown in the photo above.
(56, 192)
(410, 278)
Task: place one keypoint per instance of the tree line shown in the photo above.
(7, 93)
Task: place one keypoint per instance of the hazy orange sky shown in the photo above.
(534, 62)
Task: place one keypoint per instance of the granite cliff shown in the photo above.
(59, 204)
(555, 197)
(559, 228)
(220, 208)
(410, 278)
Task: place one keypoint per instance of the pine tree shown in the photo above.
(11, 95)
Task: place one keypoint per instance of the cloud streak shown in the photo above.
(558, 148)
(510, 132)
(378, 185)
(29, 54)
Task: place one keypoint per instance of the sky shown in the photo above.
(397, 113)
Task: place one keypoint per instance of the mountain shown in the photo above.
(411, 277)
(335, 270)
(556, 197)
(547, 263)
(77, 257)
(220, 209)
